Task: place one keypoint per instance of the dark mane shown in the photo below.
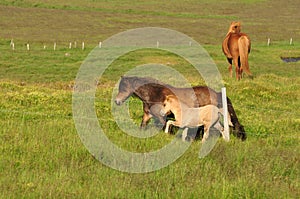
(139, 81)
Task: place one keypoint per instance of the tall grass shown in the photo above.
(42, 156)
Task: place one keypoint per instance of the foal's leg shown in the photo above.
(184, 134)
(169, 122)
(205, 136)
(206, 133)
(174, 123)
(221, 129)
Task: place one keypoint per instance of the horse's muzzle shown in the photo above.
(118, 102)
(162, 112)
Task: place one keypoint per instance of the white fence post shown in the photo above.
(269, 42)
(225, 111)
(83, 45)
(291, 41)
(12, 44)
(27, 46)
(54, 46)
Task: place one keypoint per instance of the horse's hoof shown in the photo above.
(241, 135)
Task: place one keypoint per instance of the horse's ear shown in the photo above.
(170, 97)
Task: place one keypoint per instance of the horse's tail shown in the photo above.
(225, 48)
(221, 113)
(238, 128)
(244, 48)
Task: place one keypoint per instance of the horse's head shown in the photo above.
(235, 27)
(125, 90)
(169, 104)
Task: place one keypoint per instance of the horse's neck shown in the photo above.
(137, 87)
(179, 110)
(187, 116)
(137, 83)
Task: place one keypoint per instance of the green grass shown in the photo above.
(94, 21)
(41, 154)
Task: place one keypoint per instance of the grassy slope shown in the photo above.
(42, 155)
(206, 21)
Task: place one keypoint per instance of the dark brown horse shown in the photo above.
(153, 93)
(236, 47)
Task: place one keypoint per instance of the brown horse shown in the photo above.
(153, 93)
(236, 46)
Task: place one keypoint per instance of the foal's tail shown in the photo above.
(244, 49)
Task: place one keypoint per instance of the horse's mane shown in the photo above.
(139, 81)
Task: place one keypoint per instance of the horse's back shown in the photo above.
(205, 96)
(233, 43)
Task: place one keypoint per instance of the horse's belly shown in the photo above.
(192, 119)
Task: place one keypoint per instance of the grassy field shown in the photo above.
(41, 153)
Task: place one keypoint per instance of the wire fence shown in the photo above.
(45, 46)
(82, 45)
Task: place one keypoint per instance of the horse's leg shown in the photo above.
(241, 72)
(169, 122)
(230, 70)
(221, 129)
(205, 136)
(237, 69)
(230, 67)
(155, 111)
(240, 67)
(238, 129)
(206, 132)
(174, 123)
(184, 134)
(146, 117)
